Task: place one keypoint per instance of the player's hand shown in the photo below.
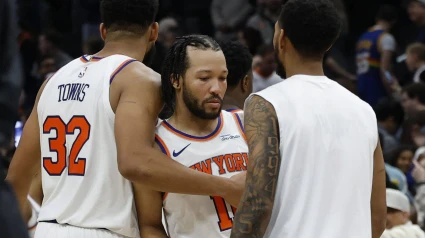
(234, 195)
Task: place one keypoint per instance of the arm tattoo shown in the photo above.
(262, 132)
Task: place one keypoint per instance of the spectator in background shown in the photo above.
(92, 45)
(375, 50)
(49, 45)
(413, 98)
(169, 29)
(390, 116)
(251, 38)
(402, 159)
(265, 18)
(415, 61)
(265, 73)
(416, 12)
(398, 212)
(239, 78)
(229, 17)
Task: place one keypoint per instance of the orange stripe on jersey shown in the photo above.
(234, 110)
(91, 59)
(162, 145)
(240, 127)
(183, 135)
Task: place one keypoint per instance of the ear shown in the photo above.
(102, 30)
(281, 39)
(154, 29)
(244, 84)
(176, 83)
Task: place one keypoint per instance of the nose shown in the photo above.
(216, 87)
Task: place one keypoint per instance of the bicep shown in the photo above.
(136, 115)
(379, 178)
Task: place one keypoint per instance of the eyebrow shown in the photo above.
(208, 71)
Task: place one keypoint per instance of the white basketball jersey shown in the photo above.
(327, 140)
(222, 153)
(32, 223)
(81, 183)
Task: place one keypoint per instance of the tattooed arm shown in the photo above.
(262, 131)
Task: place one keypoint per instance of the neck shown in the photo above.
(123, 47)
(296, 65)
(184, 120)
(383, 25)
(233, 100)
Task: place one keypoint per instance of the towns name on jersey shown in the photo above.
(72, 92)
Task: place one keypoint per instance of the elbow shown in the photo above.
(133, 169)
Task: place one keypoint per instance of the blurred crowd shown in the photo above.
(380, 56)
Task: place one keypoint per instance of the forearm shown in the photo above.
(378, 226)
(160, 173)
(152, 231)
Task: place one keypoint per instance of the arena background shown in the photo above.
(53, 32)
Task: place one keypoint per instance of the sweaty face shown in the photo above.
(396, 218)
(404, 160)
(204, 83)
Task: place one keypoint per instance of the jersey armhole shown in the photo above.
(240, 125)
(107, 87)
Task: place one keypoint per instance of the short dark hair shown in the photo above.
(386, 108)
(416, 90)
(387, 13)
(238, 61)
(128, 15)
(312, 26)
(176, 62)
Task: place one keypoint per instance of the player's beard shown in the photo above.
(199, 109)
(280, 68)
(149, 56)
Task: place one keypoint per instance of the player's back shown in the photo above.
(327, 142)
(81, 183)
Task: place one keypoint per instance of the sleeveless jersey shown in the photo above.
(370, 86)
(327, 141)
(81, 183)
(222, 153)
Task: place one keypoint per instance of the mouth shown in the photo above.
(215, 103)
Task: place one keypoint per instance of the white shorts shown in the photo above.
(52, 230)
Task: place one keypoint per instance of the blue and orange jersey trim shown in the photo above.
(183, 135)
(92, 59)
(240, 125)
(374, 63)
(121, 67)
(233, 110)
(162, 145)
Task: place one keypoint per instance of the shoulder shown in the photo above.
(138, 74)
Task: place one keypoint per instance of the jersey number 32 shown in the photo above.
(76, 166)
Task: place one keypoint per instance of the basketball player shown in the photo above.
(316, 168)
(239, 78)
(198, 135)
(93, 128)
